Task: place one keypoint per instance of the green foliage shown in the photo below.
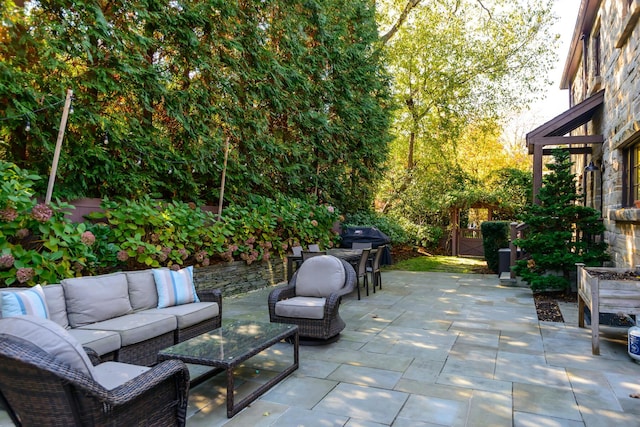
(495, 235)
(460, 68)
(513, 188)
(38, 244)
(437, 263)
(384, 223)
(561, 232)
(400, 230)
(152, 233)
(294, 86)
(425, 235)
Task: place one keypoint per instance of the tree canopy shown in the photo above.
(294, 86)
(458, 67)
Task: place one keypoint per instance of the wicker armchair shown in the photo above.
(38, 389)
(312, 298)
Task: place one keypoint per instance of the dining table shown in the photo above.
(352, 256)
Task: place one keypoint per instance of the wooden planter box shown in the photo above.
(605, 296)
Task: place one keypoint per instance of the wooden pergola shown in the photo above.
(553, 133)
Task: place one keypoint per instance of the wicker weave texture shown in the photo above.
(327, 327)
(40, 391)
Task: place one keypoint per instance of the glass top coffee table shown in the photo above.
(228, 346)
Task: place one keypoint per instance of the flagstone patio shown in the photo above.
(439, 349)
(435, 349)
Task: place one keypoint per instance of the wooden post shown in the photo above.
(56, 153)
(224, 176)
(513, 249)
(455, 223)
(537, 171)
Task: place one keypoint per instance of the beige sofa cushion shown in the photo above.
(54, 295)
(93, 299)
(142, 289)
(301, 307)
(189, 314)
(137, 327)
(320, 276)
(51, 338)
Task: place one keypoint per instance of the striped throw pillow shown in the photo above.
(30, 301)
(175, 287)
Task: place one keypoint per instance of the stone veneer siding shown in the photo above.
(619, 121)
(239, 277)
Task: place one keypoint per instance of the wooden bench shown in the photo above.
(605, 296)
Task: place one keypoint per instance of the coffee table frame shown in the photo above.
(213, 340)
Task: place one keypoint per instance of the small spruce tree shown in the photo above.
(561, 232)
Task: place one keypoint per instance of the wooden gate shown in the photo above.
(470, 242)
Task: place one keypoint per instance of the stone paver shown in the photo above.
(434, 349)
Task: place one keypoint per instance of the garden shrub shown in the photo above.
(38, 244)
(495, 236)
(561, 231)
(386, 224)
(400, 230)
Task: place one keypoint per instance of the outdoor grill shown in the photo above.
(351, 235)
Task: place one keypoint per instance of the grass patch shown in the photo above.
(446, 264)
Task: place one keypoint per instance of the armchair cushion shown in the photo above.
(29, 301)
(320, 276)
(175, 287)
(93, 299)
(102, 342)
(49, 337)
(301, 307)
(113, 374)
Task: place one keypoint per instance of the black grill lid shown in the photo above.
(371, 235)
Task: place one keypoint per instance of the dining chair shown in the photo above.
(374, 269)
(297, 252)
(361, 245)
(314, 248)
(309, 254)
(361, 271)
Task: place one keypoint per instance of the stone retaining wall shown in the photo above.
(238, 277)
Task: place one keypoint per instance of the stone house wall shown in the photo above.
(619, 121)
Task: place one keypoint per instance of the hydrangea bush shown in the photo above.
(38, 244)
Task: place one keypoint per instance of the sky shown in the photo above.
(556, 100)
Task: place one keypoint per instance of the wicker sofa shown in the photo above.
(117, 314)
